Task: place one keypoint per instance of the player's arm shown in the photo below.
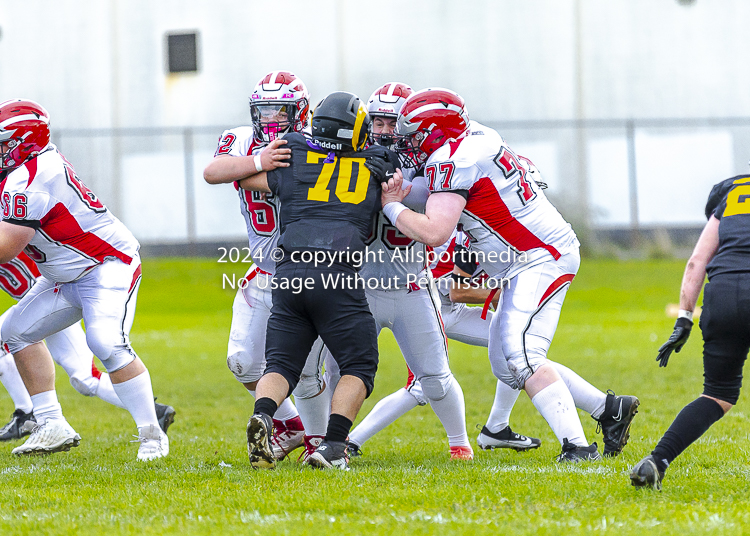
(692, 283)
(695, 270)
(227, 168)
(466, 290)
(256, 183)
(13, 238)
(435, 226)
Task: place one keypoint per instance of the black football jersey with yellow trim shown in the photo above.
(733, 212)
(327, 199)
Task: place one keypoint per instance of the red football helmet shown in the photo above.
(24, 132)
(429, 119)
(386, 102)
(280, 103)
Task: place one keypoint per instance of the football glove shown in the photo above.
(676, 341)
(380, 168)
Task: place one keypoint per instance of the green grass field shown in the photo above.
(612, 323)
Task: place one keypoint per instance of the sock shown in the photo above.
(106, 392)
(285, 411)
(137, 396)
(265, 405)
(46, 406)
(338, 428)
(385, 412)
(12, 381)
(314, 412)
(586, 396)
(452, 414)
(691, 423)
(505, 398)
(556, 405)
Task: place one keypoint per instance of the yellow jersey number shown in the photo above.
(320, 191)
(738, 200)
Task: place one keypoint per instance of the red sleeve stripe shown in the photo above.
(60, 226)
(486, 204)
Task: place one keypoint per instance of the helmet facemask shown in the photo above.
(408, 146)
(272, 119)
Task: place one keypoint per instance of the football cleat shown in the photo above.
(573, 453)
(20, 424)
(287, 436)
(311, 444)
(506, 439)
(154, 443)
(54, 435)
(615, 421)
(462, 453)
(355, 451)
(330, 455)
(259, 451)
(165, 415)
(646, 474)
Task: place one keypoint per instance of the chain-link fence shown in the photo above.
(619, 182)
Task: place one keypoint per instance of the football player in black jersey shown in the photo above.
(722, 253)
(328, 195)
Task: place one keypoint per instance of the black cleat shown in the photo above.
(573, 453)
(615, 421)
(330, 455)
(506, 439)
(354, 450)
(20, 425)
(646, 473)
(165, 415)
(259, 430)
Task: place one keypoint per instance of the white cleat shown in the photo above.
(154, 443)
(54, 435)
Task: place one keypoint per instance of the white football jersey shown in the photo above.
(260, 210)
(74, 230)
(509, 221)
(391, 255)
(442, 261)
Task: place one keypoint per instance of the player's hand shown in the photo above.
(676, 341)
(380, 168)
(393, 190)
(274, 155)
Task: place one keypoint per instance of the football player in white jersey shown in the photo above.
(90, 268)
(279, 104)
(68, 349)
(519, 237)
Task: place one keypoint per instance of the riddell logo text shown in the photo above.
(329, 145)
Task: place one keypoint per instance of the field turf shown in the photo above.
(612, 323)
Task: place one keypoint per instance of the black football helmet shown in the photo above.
(341, 123)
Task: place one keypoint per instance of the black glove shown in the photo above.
(676, 341)
(380, 168)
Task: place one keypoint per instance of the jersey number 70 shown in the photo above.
(320, 191)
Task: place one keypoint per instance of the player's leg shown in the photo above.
(726, 340)
(107, 296)
(526, 323)
(41, 312)
(246, 353)
(465, 324)
(312, 396)
(343, 319)
(16, 428)
(386, 412)
(420, 334)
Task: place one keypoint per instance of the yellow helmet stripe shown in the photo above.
(358, 122)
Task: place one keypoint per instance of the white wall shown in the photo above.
(101, 63)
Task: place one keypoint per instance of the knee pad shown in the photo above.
(244, 368)
(85, 386)
(309, 386)
(436, 387)
(113, 357)
(501, 370)
(415, 390)
(522, 366)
